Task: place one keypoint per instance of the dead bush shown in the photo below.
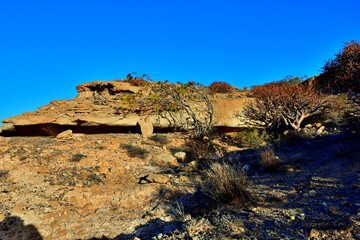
(284, 103)
(269, 160)
(226, 184)
(220, 87)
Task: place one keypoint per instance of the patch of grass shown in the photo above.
(134, 151)
(178, 212)
(159, 139)
(269, 160)
(226, 184)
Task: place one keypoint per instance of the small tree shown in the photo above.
(280, 103)
(185, 105)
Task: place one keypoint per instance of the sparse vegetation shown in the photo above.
(342, 74)
(252, 137)
(134, 151)
(226, 184)
(281, 103)
(162, 139)
(220, 87)
(178, 212)
(185, 105)
(269, 160)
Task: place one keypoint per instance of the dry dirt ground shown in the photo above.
(101, 187)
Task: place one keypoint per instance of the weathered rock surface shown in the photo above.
(104, 107)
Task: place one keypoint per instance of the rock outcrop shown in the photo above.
(106, 106)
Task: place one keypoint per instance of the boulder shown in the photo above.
(180, 156)
(146, 127)
(64, 135)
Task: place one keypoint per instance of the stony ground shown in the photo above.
(124, 186)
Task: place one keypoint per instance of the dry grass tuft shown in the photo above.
(226, 184)
(269, 160)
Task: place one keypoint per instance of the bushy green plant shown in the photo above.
(253, 137)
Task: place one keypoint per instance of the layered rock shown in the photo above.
(106, 106)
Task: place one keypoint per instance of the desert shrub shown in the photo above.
(268, 159)
(252, 137)
(225, 183)
(220, 87)
(134, 151)
(342, 74)
(136, 79)
(336, 113)
(177, 212)
(184, 105)
(282, 103)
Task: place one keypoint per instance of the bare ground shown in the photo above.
(97, 187)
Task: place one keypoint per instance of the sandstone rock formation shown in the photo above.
(110, 106)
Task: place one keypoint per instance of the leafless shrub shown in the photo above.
(184, 105)
(286, 103)
(269, 160)
(225, 183)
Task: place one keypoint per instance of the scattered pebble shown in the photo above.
(312, 193)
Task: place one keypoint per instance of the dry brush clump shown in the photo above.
(342, 74)
(226, 184)
(184, 105)
(220, 87)
(284, 103)
(269, 160)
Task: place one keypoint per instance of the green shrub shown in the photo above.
(220, 87)
(253, 137)
(226, 184)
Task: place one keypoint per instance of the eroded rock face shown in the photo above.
(109, 107)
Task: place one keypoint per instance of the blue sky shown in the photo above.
(47, 47)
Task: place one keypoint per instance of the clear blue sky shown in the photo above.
(47, 47)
